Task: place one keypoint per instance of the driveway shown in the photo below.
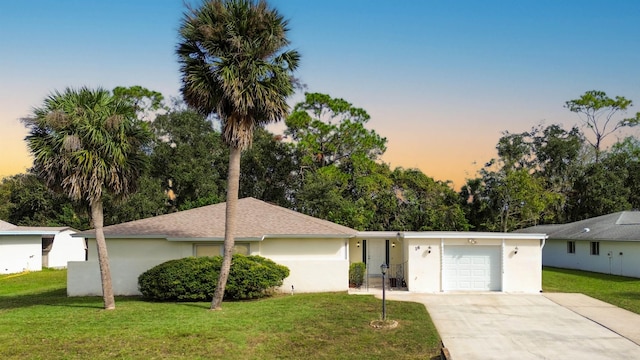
(524, 326)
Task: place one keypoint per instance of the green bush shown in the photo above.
(356, 274)
(195, 279)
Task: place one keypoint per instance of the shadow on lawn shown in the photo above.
(592, 275)
(57, 297)
(629, 295)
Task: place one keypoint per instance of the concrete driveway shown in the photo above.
(523, 326)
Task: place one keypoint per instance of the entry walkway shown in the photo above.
(529, 326)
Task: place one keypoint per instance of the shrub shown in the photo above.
(356, 273)
(195, 279)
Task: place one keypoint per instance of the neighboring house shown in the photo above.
(607, 244)
(25, 248)
(317, 252)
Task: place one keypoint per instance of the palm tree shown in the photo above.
(87, 143)
(234, 66)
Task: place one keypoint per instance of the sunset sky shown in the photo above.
(440, 79)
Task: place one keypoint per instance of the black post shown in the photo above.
(383, 268)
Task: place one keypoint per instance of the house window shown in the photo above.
(208, 250)
(218, 249)
(595, 248)
(242, 249)
(571, 247)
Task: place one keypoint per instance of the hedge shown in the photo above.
(195, 278)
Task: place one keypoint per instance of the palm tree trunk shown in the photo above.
(97, 216)
(233, 184)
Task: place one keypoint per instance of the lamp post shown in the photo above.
(383, 269)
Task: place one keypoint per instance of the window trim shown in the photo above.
(594, 248)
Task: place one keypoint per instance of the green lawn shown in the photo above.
(38, 321)
(617, 290)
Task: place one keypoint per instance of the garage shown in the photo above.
(472, 268)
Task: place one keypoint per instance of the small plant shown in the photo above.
(195, 279)
(356, 274)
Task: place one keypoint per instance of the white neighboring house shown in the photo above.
(317, 252)
(607, 244)
(26, 248)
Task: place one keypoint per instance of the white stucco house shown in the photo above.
(607, 244)
(26, 248)
(317, 252)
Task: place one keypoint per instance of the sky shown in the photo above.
(441, 79)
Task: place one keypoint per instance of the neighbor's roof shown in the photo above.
(10, 229)
(620, 226)
(255, 220)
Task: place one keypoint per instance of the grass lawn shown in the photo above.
(621, 291)
(38, 321)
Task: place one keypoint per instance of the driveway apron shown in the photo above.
(517, 326)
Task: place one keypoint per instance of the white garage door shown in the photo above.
(472, 268)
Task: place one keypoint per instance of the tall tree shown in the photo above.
(339, 178)
(597, 111)
(235, 66)
(189, 154)
(87, 143)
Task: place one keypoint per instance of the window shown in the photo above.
(595, 248)
(571, 247)
(208, 250)
(242, 249)
(218, 249)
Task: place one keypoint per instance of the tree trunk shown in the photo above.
(97, 216)
(233, 184)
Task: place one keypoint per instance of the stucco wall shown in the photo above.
(521, 272)
(315, 264)
(423, 267)
(66, 248)
(610, 261)
(128, 259)
(19, 253)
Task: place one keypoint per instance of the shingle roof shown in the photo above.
(256, 219)
(6, 226)
(620, 226)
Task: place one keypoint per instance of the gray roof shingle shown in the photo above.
(256, 219)
(620, 226)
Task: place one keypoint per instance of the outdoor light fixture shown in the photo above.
(516, 250)
(358, 244)
(383, 270)
(471, 241)
(393, 244)
(429, 249)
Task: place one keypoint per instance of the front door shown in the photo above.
(377, 255)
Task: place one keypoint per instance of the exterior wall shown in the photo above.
(66, 248)
(522, 272)
(316, 265)
(610, 260)
(423, 267)
(355, 250)
(20, 253)
(128, 259)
